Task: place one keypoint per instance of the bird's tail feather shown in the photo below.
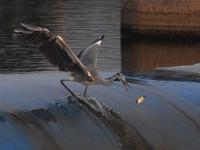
(22, 31)
(26, 29)
(30, 27)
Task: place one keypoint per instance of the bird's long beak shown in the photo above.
(125, 84)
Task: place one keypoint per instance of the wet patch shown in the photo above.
(2, 119)
(130, 138)
(36, 130)
(60, 126)
(43, 114)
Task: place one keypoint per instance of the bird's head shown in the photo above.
(98, 40)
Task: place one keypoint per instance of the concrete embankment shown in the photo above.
(168, 18)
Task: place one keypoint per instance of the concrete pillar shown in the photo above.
(161, 17)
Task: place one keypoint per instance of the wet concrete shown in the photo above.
(35, 114)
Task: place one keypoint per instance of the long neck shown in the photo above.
(111, 79)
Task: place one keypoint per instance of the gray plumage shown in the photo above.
(54, 48)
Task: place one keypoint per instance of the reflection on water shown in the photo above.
(79, 22)
(145, 56)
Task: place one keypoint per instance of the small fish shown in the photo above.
(140, 99)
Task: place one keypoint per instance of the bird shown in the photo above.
(82, 67)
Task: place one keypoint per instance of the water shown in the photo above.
(78, 22)
(144, 56)
(34, 112)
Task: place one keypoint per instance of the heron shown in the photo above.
(82, 67)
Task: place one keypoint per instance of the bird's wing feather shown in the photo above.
(88, 56)
(54, 48)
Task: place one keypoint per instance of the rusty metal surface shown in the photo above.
(176, 17)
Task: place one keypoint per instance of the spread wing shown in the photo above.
(88, 56)
(54, 48)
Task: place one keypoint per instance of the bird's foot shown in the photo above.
(90, 101)
(91, 98)
(95, 104)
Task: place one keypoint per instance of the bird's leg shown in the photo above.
(86, 86)
(62, 82)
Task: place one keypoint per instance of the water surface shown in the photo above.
(144, 56)
(78, 22)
